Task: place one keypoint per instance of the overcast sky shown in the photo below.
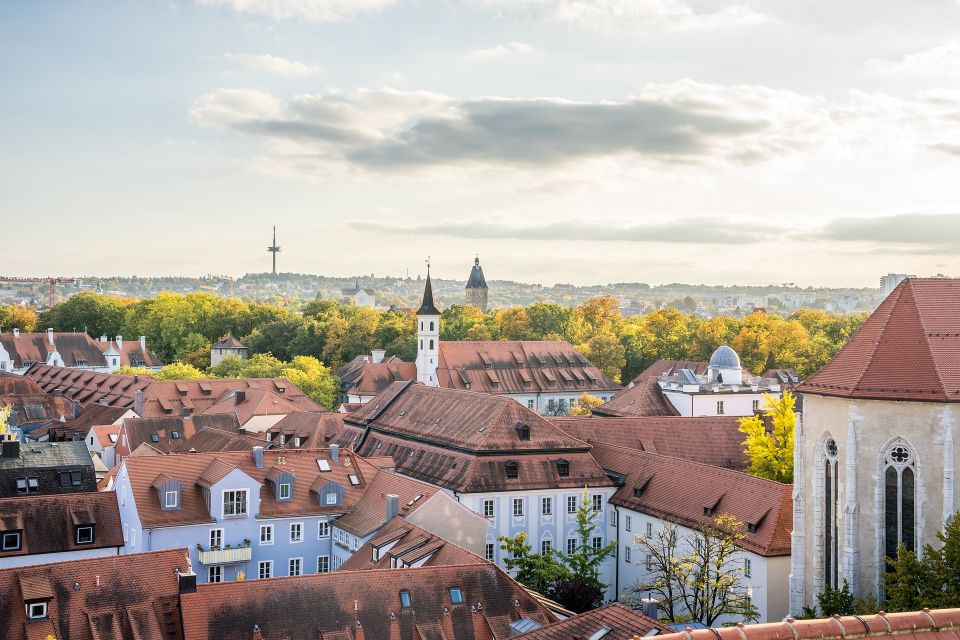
(583, 141)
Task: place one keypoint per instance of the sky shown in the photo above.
(577, 141)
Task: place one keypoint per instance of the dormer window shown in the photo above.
(563, 468)
(37, 610)
(512, 470)
(170, 500)
(11, 541)
(175, 435)
(523, 431)
(235, 502)
(708, 511)
(84, 534)
(284, 491)
(751, 527)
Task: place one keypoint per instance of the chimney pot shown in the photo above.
(393, 506)
(50, 335)
(258, 457)
(335, 452)
(103, 338)
(377, 355)
(16, 333)
(187, 582)
(143, 343)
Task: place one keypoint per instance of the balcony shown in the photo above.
(225, 555)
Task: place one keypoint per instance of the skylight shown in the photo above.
(354, 480)
(600, 633)
(324, 465)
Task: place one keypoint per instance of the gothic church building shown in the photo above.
(874, 453)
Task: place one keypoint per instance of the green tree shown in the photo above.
(95, 313)
(663, 552)
(584, 590)
(606, 352)
(179, 371)
(536, 571)
(771, 453)
(18, 316)
(584, 405)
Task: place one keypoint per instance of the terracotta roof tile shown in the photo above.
(370, 511)
(623, 624)
(315, 430)
(644, 398)
(442, 552)
(47, 522)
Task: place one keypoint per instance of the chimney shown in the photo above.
(50, 335)
(120, 348)
(335, 452)
(138, 402)
(10, 449)
(377, 355)
(241, 396)
(187, 581)
(648, 607)
(76, 409)
(16, 333)
(258, 457)
(103, 338)
(393, 506)
(143, 343)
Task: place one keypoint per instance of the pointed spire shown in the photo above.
(427, 307)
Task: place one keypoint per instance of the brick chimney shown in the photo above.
(138, 402)
(119, 343)
(240, 396)
(143, 343)
(335, 452)
(393, 506)
(50, 335)
(258, 457)
(16, 333)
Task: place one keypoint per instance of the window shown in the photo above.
(323, 530)
(70, 479)
(626, 554)
(649, 529)
(613, 517)
(216, 538)
(10, 541)
(597, 542)
(529, 403)
(405, 601)
(331, 498)
(154, 437)
(266, 534)
(235, 502)
(831, 515)
(546, 506)
(323, 564)
(756, 405)
(215, 574)
(431, 329)
(518, 506)
(563, 468)
(170, 499)
(175, 435)
(899, 495)
(488, 508)
(431, 343)
(746, 567)
(84, 534)
(628, 523)
(649, 562)
(523, 431)
(295, 567)
(37, 610)
(545, 547)
(598, 503)
(456, 595)
(28, 485)
(512, 471)
(571, 545)
(571, 504)
(265, 569)
(284, 490)
(296, 532)
(719, 407)
(489, 551)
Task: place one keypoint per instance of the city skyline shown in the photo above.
(701, 141)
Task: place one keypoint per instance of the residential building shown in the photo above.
(722, 390)
(890, 282)
(874, 461)
(83, 420)
(365, 376)
(498, 458)
(609, 622)
(19, 351)
(476, 290)
(227, 346)
(655, 491)
(58, 528)
(128, 597)
(473, 602)
(167, 434)
(211, 440)
(265, 513)
(43, 468)
(101, 441)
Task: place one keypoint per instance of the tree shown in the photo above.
(663, 558)
(18, 316)
(933, 581)
(536, 571)
(179, 371)
(584, 405)
(606, 352)
(583, 590)
(4, 421)
(705, 583)
(95, 313)
(306, 372)
(771, 454)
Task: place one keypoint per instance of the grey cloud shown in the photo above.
(932, 230)
(951, 149)
(688, 230)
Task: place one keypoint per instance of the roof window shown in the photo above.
(456, 595)
(512, 469)
(563, 468)
(154, 437)
(405, 601)
(523, 431)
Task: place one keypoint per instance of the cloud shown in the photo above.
(313, 10)
(271, 64)
(688, 230)
(500, 51)
(633, 15)
(937, 231)
(943, 59)
(944, 147)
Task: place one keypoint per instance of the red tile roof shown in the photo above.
(315, 430)
(412, 544)
(679, 491)
(644, 398)
(908, 349)
(94, 413)
(106, 434)
(623, 624)
(29, 402)
(155, 432)
(228, 342)
(47, 522)
(670, 367)
(370, 511)
(938, 624)
(713, 440)
(364, 605)
(251, 403)
(97, 598)
(208, 440)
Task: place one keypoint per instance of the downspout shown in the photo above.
(616, 567)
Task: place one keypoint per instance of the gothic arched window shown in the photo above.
(431, 345)
(831, 515)
(899, 480)
(421, 343)
(431, 325)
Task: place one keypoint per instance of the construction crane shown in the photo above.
(53, 282)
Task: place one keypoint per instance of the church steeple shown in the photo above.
(476, 289)
(428, 336)
(427, 307)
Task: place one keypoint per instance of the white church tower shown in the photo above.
(428, 337)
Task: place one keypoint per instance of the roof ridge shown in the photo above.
(926, 342)
(876, 345)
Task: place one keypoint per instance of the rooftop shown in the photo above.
(46, 455)
(615, 620)
(47, 523)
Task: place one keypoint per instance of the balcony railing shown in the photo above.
(233, 555)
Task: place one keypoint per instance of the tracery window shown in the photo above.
(831, 515)
(899, 477)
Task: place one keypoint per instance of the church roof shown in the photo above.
(427, 307)
(476, 280)
(909, 349)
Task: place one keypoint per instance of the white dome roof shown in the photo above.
(725, 358)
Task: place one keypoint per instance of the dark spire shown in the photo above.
(427, 308)
(476, 279)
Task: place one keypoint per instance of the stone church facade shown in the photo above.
(874, 451)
